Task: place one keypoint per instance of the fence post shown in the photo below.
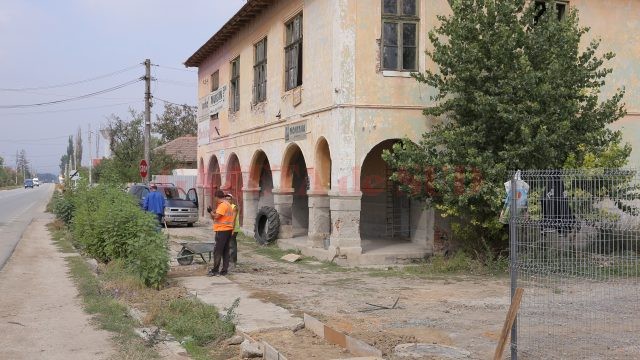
(513, 258)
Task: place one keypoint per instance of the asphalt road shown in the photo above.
(18, 207)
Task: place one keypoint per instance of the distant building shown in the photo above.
(183, 150)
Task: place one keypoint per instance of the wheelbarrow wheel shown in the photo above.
(185, 257)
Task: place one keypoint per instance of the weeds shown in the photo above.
(197, 325)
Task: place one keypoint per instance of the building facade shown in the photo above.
(299, 98)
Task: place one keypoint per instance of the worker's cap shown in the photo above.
(220, 194)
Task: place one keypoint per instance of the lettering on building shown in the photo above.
(295, 132)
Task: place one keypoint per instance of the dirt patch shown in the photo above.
(454, 310)
(302, 344)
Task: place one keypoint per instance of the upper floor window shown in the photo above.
(215, 81)
(234, 88)
(260, 71)
(400, 35)
(293, 53)
(541, 8)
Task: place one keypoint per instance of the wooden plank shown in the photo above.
(508, 323)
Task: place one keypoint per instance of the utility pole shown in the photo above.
(147, 115)
(16, 167)
(90, 160)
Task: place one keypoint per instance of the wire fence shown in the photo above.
(575, 249)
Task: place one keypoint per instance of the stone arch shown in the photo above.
(260, 176)
(233, 182)
(200, 185)
(295, 180)
(213, 180)
(322, 169)
(386, 213)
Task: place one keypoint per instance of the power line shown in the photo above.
(171, 102)
(72, 83)
(174, 68)
(100, 92)
(69, 110)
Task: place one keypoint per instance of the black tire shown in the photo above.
(185, 257)
(189, 224)
(267, 225)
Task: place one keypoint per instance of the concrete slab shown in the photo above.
(252, 314)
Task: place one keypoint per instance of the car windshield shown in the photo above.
(173, 193)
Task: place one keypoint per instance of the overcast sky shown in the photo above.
(44, 43)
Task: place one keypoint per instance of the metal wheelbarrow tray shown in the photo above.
(189, 249)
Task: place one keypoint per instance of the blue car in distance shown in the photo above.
(28, 183)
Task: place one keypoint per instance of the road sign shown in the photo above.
(144, 168)
(74, 175)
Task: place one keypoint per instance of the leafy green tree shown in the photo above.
(127, 148)
(515, 90)
(176, 121)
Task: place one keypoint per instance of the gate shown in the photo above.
(575, 249)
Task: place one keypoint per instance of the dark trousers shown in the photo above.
(233, 243)
(221, 250)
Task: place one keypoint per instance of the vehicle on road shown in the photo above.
(36, 182)
(180, 207)
(28, 183)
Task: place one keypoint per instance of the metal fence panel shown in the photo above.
(576, 252)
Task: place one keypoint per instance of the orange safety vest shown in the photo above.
(226, 221)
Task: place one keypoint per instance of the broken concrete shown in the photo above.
(250, 350)
(429, 351)
(291, 257)
(252, 314)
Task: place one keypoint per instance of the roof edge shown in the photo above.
(247, 12)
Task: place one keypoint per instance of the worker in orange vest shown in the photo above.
(223, 222)
(233, 241)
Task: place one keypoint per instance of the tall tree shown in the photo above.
(78, 154)
(176, 121)
(515, 90)
(23, 165)
(127, 148)
(70, 152)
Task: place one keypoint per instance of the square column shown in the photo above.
(345, 223)
(283, 202)
(319, 218)
(250, 199)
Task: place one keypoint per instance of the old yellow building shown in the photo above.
(298, 99)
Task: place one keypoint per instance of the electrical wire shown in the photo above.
(171, 102)
(174, 68)
(70, 110)
(100, 92)
(74, 82)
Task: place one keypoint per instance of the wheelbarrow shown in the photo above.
(189, 250)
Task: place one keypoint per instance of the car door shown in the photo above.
(193, 196)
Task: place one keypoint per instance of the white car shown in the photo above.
(36, 182)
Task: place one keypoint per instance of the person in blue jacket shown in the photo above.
(154, 202)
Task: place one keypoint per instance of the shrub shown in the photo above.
(62, 206)
(109, 225)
